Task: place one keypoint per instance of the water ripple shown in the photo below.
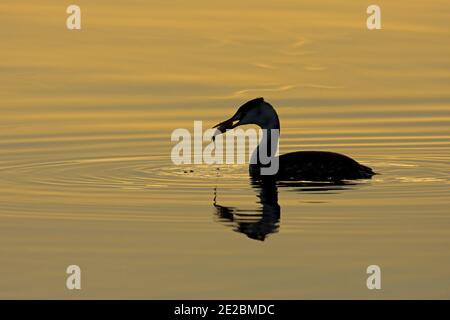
(143, 172)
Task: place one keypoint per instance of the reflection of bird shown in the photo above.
(259, 223)
(256, 224)
(300, 165)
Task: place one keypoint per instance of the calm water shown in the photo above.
(85, 165)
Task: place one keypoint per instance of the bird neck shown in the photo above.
(267, 148)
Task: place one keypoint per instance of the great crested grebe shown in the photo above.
(299, 165)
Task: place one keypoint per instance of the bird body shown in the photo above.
(316, 166)
(300, 165)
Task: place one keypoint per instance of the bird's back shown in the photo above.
(319, 166)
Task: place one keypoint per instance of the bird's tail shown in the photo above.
(366, 172)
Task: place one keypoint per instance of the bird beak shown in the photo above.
(222, 127)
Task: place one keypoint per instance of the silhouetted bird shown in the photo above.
(300, 165)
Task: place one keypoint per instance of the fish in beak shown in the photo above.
(229, 124)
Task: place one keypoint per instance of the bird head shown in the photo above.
(255, 111)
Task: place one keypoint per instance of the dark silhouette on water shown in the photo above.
(300, 165)
(259, 223)
(256, 224)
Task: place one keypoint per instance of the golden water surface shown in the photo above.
(86, 176)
